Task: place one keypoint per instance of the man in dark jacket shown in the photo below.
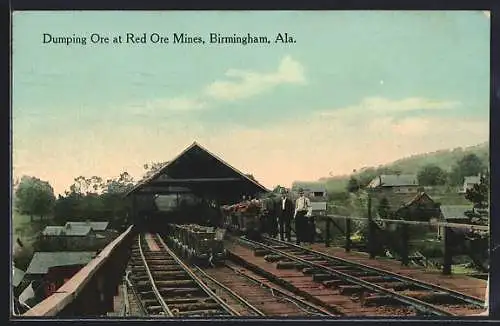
(286, 211)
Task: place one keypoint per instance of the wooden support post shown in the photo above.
(327, 235)
(448, 254)
(347, 235)
(88, 301)
(135, 219)
(404, 244)
(371, 229)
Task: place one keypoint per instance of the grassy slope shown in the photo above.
(444, 159)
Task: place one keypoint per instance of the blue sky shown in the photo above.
(356, 89)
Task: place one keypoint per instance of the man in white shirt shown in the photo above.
(302, 207)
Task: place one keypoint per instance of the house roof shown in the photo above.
(394, 180)
(96, 226)
(458, 211)
(200, 171)
(421, 196)
(42, 261)
(68, 230)
(313, 186)
(472, 179)
(53, 230)
(17, 276)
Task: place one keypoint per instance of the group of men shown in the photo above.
(287, 212)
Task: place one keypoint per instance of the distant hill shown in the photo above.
(443, 158)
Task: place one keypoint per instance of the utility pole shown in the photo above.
(371, 233)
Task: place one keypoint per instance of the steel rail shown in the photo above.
(280, 292)
(195, 278)
(428, 286)
(417, 304)
(231, 292)
(126, 303)
(136, 295)
(157, 293)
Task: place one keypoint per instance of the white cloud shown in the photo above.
(301, 149)
(175, 104)
(241, 84)
(312, 148)
(381, 106)
(250, 83)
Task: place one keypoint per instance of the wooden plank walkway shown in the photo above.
(461, 283)
(153, 246)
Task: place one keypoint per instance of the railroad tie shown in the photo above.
(189, 300)
(181, 291)
(399, 286)
(322, 277)
(202, 313)
(379, 300)
(175, 283)
(311, 270)
(300, 266)
(335, 283)
(258, 252)
(175, 274)
(273, 258)
(350, 289)
(194, 306)
(433, 297)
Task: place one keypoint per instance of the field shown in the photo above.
(27, 231)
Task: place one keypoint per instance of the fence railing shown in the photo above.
(331, 219)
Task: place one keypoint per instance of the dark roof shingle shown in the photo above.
(309, 186)
(394, 180)
(96, 226)
(17, 276)
(457, 211)
(67, 230)
(43, 260)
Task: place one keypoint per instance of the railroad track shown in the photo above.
(367, 285)
(166, 287)
(257, 295)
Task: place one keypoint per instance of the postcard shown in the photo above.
(252, 164)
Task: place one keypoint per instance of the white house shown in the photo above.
(469, 182)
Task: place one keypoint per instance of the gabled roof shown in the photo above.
(67, 230)
(313, 186)
(53, 230)
(17, 276)
(42, 261)
(455, 211)
(96, 226)
(189, 155)
(421, 196)
(394, 180)
(472, 179)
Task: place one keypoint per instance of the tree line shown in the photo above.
(428, 175)
(88, 198)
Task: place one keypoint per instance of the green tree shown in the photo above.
(353, 185)
(383, 208)
(468, 165)
(366, 176)
(479, 193)
(34, 197)
(152, 168)
(432, 175)
(277, 189)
